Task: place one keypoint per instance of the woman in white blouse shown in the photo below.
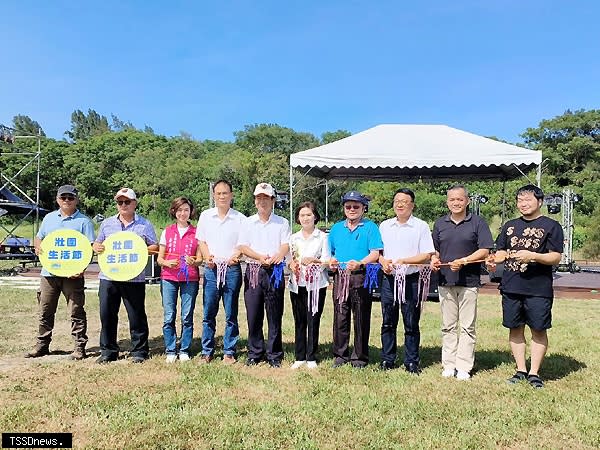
(308, 283)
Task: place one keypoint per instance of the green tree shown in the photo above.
(84, 126)
(119, 125)
(570, 145)
(332, 136)
(26, 126)
(274, 138)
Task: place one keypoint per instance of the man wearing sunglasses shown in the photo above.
(67, 216)
(131, 292)
(354, 243)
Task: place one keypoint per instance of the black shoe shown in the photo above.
(253, 362)
(517, 377)
(104, 359)
(535, 381)
(275, 363)
(413, 368)
(338, 362)
(138, 359)
(386, 365)
(37, 352)
(359, 365)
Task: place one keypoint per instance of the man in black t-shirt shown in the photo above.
(529, 246)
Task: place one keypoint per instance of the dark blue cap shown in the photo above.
(354, 196)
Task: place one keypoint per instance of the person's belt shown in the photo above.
(358, 272)
(407, 276)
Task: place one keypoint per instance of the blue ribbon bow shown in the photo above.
(371, 278)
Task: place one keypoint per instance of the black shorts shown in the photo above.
(519, 309)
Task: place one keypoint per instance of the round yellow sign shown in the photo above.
(65, 253)
(124, 257)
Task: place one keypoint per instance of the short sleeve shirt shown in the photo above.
(265, 238)
(541, 235)
(315, 246)
(139, 226)
(55, 221)
(457, 240)
(346, 244)
(221, 236)
(403, 240)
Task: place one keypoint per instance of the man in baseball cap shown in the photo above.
(264, 188)
(67, 189)
(67, 216)
(127, 193)
(131, 292)
(355, 196)
(264, 238)
(354, 243)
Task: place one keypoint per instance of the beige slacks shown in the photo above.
(459, 313)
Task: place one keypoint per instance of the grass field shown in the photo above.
(185, 405)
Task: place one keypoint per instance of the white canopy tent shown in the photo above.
(412, 152)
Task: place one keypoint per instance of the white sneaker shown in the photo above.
(171, 358)
(183, 357)
(448, 373)
(311, 364)
(298, 364)
(462, 376)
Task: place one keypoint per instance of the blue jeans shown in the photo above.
(411, 313)
(212, 293)
(188, 292)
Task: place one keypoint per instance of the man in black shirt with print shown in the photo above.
(529, 246)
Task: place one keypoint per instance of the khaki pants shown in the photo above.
(459, 313)
(48, 295)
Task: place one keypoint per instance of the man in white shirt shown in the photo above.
(218, 233)
(265, 239)
(406, 240)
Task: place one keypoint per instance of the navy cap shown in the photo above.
(67, 189)
(354, 196)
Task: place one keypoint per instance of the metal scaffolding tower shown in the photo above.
(28, 205)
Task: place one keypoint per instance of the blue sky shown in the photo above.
(209, 68)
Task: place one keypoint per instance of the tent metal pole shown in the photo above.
(503, 203)
(291, 195)
(326, 204)
(539, 176)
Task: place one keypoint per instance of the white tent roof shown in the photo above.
(390, 152)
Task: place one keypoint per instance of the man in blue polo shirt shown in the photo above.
(354, 242)
(67, 216)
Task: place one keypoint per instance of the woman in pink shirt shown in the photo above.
(179, 275)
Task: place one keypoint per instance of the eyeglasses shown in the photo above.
(402, 202)
(123, 202)
(352, 206)
(67, 198)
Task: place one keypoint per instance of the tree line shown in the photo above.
(99, 156)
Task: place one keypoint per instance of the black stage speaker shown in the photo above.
(152, 270)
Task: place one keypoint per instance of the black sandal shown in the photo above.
(517, 377)
(535, 381)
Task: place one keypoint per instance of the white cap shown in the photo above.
(126, 192)
(264, 188)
